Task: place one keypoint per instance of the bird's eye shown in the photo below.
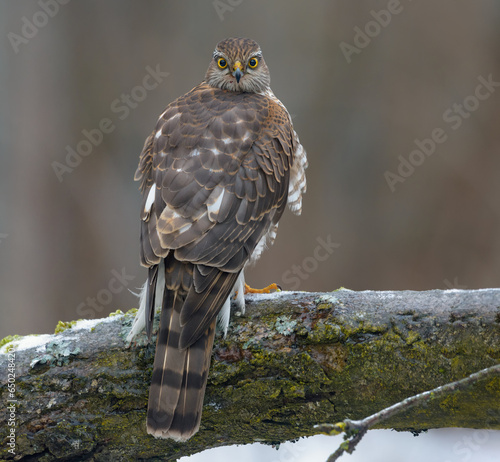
(253, 62)
(222, 63)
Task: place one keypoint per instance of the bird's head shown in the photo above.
(237, 65)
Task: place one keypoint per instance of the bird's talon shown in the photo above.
(265, 290)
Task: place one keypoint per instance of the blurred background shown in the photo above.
(369, 85)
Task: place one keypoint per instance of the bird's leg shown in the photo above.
(265, 290)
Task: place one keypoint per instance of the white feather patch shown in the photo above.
(297, 185)
(238, 294)
(139, 322)
(185, 228)
(213, 205)
(223, 316)
(150, 199)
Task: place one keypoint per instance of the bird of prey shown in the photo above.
(216, 175)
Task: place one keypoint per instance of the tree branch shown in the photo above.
(293, 361)
(355, 429)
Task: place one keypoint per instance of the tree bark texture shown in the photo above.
(295, 359)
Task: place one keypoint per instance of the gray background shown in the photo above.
(62, 242)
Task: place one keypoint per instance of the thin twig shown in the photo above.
(355, 429)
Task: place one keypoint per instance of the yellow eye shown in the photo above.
(222, 63)
(252, 63)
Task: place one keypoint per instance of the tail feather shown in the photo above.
(179, 376)
(168, 367)
(187, 416)
(150, 299)
(184, 345)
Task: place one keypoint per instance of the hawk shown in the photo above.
(216, 175)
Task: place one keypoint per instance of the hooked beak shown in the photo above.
(237, 73)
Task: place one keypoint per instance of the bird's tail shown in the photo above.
(179, 376)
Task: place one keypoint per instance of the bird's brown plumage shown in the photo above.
(215, 173)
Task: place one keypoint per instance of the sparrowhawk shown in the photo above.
(216, 174)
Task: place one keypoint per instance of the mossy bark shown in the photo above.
(294, 360)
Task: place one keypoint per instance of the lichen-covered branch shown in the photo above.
(355, 429)
(294, 360)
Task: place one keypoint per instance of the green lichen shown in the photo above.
(8, 339)
(326, 302)
(62, 326)
(284, 325)
(117, 313)
(412, 337)
(56, 352)
(325, 332)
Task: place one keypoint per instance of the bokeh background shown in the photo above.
(65, 69)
